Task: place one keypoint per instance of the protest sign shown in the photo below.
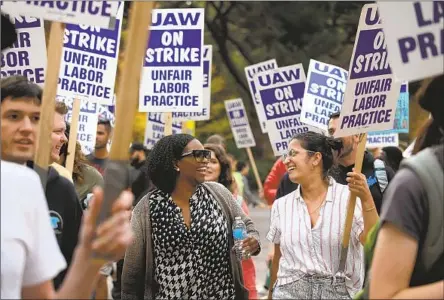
(401, 124)
(280, 92)
(243, 136)
(250, 72)
(415, 37)
(382, 139)
(47, 107)
(92, 13)
(324, 93)
(87, 123)
(205, 113)
(172, 76)
(89, 64)
(372, 92)
(155, 129)
(26, 56)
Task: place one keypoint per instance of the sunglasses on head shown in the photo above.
(199, 155)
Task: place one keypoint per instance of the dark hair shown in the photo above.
(335, 115)
(325, 145)
(20, 87)
(225, 176)
(61, 108)
(240, 165)
(106, 123)
(432, 100)
(216, 139)
(80, 159)
(392, 156)
(428, 135)
(165, 153)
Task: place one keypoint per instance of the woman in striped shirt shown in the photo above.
(307, 226)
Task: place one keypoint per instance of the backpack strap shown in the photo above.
(429, 170)
(381, 174)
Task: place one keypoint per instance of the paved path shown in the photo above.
(261, 218)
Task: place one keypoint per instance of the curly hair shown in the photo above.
(225, 176)
(164, 154)
(80, 159)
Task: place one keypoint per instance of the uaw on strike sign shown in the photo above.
(372, 92)
(172, 76)
(89, 61)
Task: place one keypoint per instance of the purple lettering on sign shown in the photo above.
(206, 71)
(26, 22)
(174, 48)
(284, 101)
(372, 16)
(370, 55)
(36, 75)
(326, 87)
(92, 39)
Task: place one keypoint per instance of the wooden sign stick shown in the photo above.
(47, 108)
(168, 123)
(352, 201)
(255, 171)
(73, 134)
(117, 171)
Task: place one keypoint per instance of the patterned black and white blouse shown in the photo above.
(190, 263)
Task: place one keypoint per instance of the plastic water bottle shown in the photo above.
(239, 234)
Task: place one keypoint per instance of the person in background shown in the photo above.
(141, 182)
(219, 170)
(141, 185)
(272, 181)
(217, 139)
(378, 174)
(243, 169)
(399, 269)
(392, 156)
(20, 115)
(183, 230)
(85, 176)
(307, 225)
(375, 152)
(428, 135)
(100, 155)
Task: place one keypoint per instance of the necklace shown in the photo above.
(310, 213)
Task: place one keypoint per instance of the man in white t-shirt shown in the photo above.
(30, 256)
(30, 253)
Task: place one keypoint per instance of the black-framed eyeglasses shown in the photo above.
(199, 155)
(293, 153)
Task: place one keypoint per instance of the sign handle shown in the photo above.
(352, 201)
(47, 108)
(73, 134)
(117, 171)
(255, 171)
(168, 123)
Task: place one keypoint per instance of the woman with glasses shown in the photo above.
(307, 226)
(219, 170)
(183, 237)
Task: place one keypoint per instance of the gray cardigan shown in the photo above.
(138, 269)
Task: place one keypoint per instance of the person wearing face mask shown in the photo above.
(20, 115)
(183, 230)
(378, 173)
(307, 225)
(219, 170)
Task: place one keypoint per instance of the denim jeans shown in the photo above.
(313, 287)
